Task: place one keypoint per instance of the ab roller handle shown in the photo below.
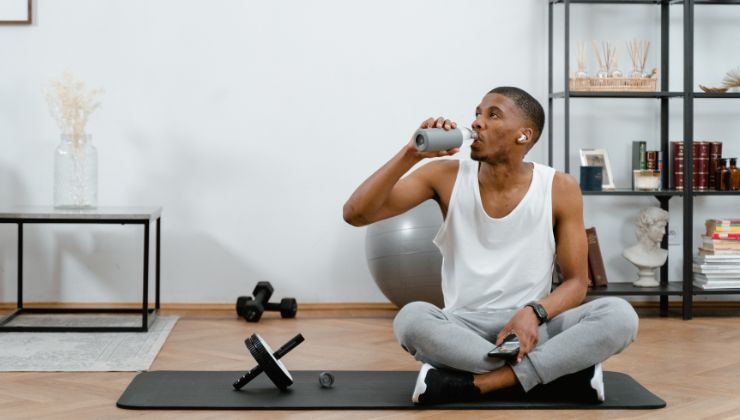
(437, 139)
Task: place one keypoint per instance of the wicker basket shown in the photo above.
(613, 84)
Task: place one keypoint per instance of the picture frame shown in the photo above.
(599, 157)
(16, 12)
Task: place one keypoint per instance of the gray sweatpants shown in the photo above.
(572, 341)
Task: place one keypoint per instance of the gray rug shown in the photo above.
(77, 352)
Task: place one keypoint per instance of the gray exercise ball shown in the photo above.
(402, 258)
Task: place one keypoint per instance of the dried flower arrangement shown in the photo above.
(609, 78)
(638, 51)
(602, 61)
(731, 80)
(71, 104)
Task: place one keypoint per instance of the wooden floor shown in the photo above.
(693, 365)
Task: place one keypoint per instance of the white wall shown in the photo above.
(252, 122)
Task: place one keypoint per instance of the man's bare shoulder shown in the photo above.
(565, 184)
(566, 192)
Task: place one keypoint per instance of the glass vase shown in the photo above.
(75, 173)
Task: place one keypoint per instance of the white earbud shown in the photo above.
(522, 139)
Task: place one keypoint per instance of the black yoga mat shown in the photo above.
(352, 390)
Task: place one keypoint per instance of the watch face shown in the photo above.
(539, 311)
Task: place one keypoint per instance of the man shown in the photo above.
(505, 219)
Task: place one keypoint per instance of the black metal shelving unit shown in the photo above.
(685, 287)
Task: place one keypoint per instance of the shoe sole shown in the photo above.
(421, 386)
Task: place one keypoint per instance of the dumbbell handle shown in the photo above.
(260, 296)
(282, 351)
(272, 306)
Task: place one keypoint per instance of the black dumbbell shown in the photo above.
(252, 309)
(268, 362)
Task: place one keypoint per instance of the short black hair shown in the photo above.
(529, 106)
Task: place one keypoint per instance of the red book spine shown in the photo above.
(700, 161)
(725, 235)
(715, 153)
(595, 259)
(677, 167)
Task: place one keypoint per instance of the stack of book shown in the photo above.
(718, 264)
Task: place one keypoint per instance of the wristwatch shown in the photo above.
(539, 311)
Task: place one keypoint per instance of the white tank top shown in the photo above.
(496, 263)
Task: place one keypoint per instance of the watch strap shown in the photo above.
(539, 311)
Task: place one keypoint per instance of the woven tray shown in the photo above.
(613, 84)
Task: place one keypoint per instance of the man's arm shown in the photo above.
(571, 246)
(384, 194)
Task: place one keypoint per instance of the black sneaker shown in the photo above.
(586, 385)
(436, 386)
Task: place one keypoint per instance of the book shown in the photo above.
(676, 169)
(721, 277)
(595, 260)
(727, 229)
(717, 261)
(710, 286)
(704, 252)
(711, 244)
(706, 269)
(638, 157)
(717, 225)
(725, 235)
(727, 280)
(722, 221)
(719, 258)
(715, 153)
(700, 163)
(726, 277)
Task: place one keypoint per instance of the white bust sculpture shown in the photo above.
(647, 255)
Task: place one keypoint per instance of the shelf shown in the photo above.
(628, 289)
(716, 193)
(717, 95)
(664, 193)
(608, 1)
(624, 191)
(709, 2)
(688, 92)
(558, 95)
(656, 2)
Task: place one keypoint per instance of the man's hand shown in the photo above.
(432, 123)
(526, 327)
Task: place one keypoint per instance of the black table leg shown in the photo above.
(159, 230)
(145, 306)
(19, 304)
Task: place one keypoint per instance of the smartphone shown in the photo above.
(508, 349)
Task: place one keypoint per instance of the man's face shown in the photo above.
(498, 123)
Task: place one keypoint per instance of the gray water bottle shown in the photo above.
(436, 139)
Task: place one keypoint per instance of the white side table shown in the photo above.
(143, 216)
